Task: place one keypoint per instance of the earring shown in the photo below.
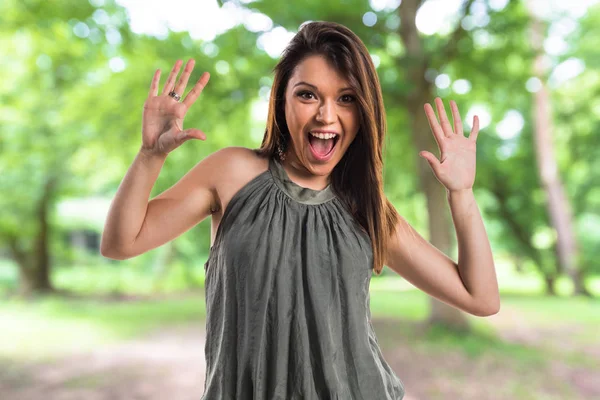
(281, 147)
(280, 153)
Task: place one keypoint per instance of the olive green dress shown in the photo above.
(287, 299)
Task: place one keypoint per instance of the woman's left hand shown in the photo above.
(456, 167)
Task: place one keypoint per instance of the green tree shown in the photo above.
(71, 114)
(48, 51)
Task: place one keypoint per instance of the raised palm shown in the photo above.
(162, 122)
(456, 167)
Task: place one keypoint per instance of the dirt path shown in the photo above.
(165, 366)
(454, 375)
(170, 366)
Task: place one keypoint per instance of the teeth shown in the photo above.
(323, 135)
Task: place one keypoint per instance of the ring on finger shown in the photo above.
(175, 95)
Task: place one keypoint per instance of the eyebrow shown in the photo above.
(315, 88)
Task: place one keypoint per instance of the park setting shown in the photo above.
(77, 324)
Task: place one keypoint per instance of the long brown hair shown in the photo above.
(358, 177)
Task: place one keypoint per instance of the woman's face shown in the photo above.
(322, 116)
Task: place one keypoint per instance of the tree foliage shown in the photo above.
(76, 77)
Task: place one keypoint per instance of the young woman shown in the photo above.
(300, 224)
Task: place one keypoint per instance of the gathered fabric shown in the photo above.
(287, 299)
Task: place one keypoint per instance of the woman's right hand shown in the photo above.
(162, 123)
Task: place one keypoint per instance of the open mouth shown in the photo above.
(322, 144)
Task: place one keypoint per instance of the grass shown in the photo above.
(393, 296)
(413, 304)
(115, 277)
(49, 326)
(549, 311)
(479, 340)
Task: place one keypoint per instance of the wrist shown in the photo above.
(459, 194)
(149, 155)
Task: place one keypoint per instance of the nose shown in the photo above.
(327, 113)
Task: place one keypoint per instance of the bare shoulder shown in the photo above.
(232, 169)
(239, 158)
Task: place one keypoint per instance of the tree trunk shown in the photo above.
(558, 205)
(34, 262)
(550, 281)
(440, 222)
(523, 236)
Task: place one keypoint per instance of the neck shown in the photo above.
(302, 176)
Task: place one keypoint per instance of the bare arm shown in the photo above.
(128, 209)
(470, 284)
(135, 226)
(124, 235)
(475, 260)
(427, 268)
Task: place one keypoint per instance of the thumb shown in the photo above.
(194, 133)
(431, 159)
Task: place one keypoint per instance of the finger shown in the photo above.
(196, 90)
(436, 129)
(183, 80)
(194, 133)
(171, 79)
(431, 159)
(475, 130)
(458, 127)
(154, 84)
(446, 127)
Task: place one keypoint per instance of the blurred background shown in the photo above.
(75, 75)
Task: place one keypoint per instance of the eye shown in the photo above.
(349, 98)
(303, 93)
